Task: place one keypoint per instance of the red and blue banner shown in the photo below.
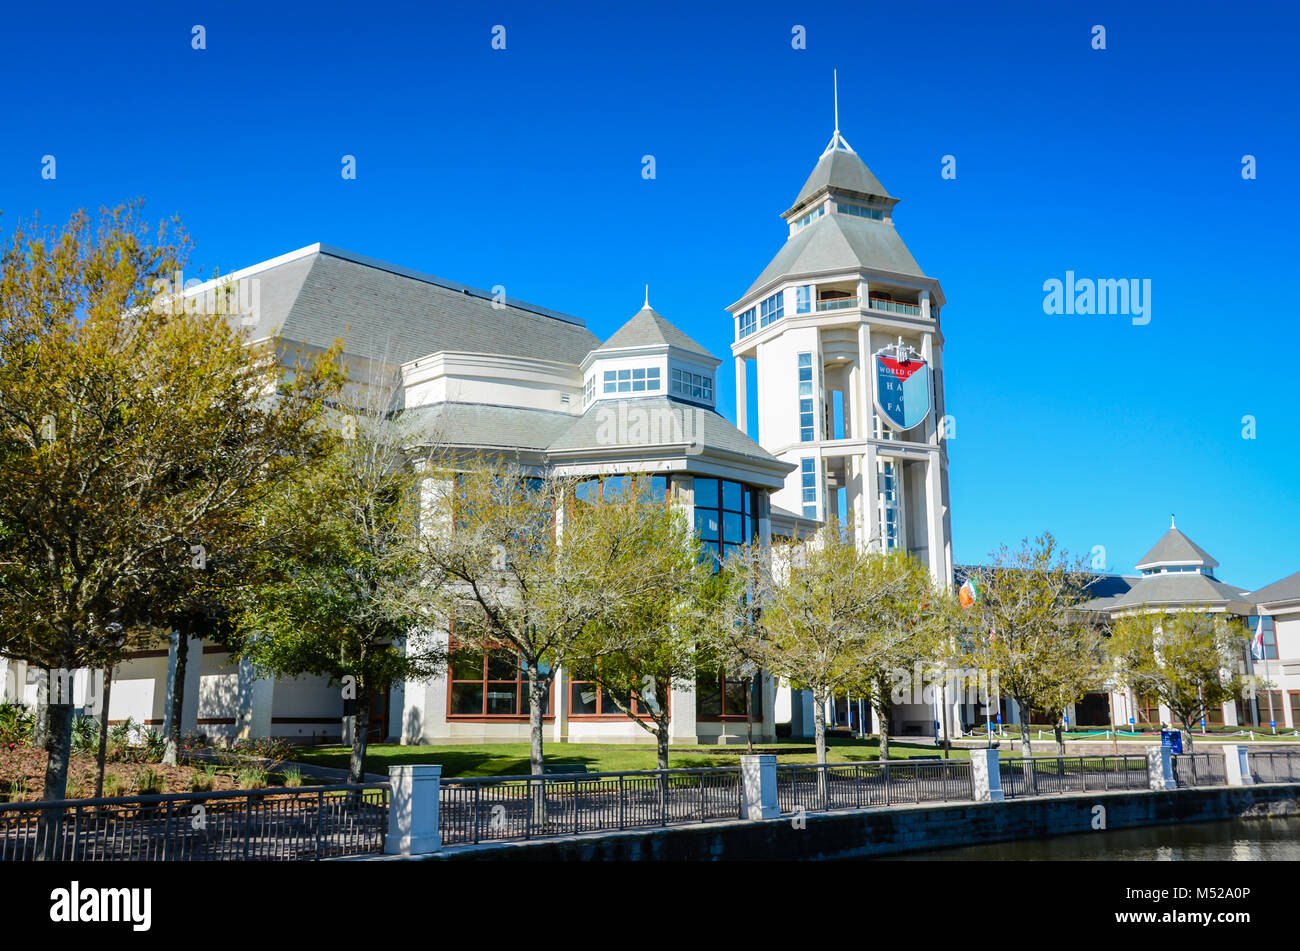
(903, 392)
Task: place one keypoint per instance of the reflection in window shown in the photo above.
(725, 517)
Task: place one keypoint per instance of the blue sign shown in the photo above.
(902, 391)
(1131, 721)
(1172, 739)
(1272, 724)
(999, 719)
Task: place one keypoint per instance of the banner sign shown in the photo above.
(903, 391)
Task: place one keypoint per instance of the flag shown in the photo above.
(1257, 645)
(968, 593)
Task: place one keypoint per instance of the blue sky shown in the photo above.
(522, 167)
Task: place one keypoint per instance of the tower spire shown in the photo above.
(647, 296)
(837, 140)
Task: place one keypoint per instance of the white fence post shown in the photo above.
(986, 776)
(1236, 763)
(413, 810)
(758, 781)
(1160, 768)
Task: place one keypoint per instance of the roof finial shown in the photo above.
(647, 297)
(1171, 521)
(835, 74)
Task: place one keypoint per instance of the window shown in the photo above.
(803, 299)
(807, 417)
(589, 699)
(862, 211)
(633, 380)
(808, 485)
(612, 488)
(725, 516)
(718, 697)
(771, 309)
(891, 520)
(693, 385)
(490, 683)
(1275, 713)
(589, 390)
(809, 218)
(747, 325)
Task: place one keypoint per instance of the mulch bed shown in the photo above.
(29, 762)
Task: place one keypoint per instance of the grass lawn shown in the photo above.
(505, 759)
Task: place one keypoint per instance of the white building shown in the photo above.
(495, 376)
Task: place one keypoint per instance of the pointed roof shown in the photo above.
(841, 169)
(647, 328)
(840, 243)
(1175, 548)
(1189, 589)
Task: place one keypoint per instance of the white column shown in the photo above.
(413, 810)
(1160, 768)
(560, 704)
(871, 499)
(256, 697)
(742, 396)
(758, 783)
(934, 519)
(986, 776)
(1236, 762)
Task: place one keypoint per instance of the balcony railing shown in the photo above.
(838, 303)
(896, 306)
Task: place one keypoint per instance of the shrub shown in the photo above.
(121, 733)
(153, 744)
(204, 779)
(149, 781)
(18, 788)
(112, 784)
(292, 776)
(16, 724)
(85, 735)
(251, 777)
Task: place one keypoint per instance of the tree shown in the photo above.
(515, 564)
(903, 626)
(338, 601)
(735, 632)
(1026, 629)
(1185, 658)
(652, 636)
(127, 430)
(817, 598)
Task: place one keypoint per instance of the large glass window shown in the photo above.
(632, 380)
(771, 309)
(490, 683)
(725, 516)
(807, 414)
(589, 699)
(862, 211)
(693, 385)
(615, 487)
(809, 218)
(719, 697)
(891, 519)
(747, 323)
(803, 299)
(808, 486)
(1269, 637)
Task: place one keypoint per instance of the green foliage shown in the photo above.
(112, 785)
(149, 781)
(204, 779)
(291, 776)
(251, 777)
(16, 724)
(85, 735)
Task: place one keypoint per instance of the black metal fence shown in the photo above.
(1280, 766)
(1054, 775)
(1200, 769)
(815, 787)
(231, 825)
(496, 808)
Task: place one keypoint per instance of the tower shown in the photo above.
(843, 289)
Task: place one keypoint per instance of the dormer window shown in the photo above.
(589, 390)
(633, 380)
(693, 385)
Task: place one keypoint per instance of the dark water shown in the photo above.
(1235, 840)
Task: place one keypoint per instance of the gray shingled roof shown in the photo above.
(485, 426)
(660, 421)
(647, 328)
(1174, 546)
(840, 243)
(844, 171)
(666, 421)
(1184, 587)
(1288, 589)
(321, 297)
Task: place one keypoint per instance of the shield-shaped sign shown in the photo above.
(902, 390)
